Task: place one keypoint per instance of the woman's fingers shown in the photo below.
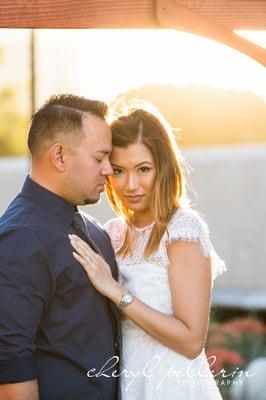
(84, 245)
(98, 271)
(78, 239)
(79, 259)
(85, 264)
(81, 247)
(86, 256)
(78, 248)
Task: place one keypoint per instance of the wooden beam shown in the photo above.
(171, 14)
(133, 14)
(233, 14)
(77, 14)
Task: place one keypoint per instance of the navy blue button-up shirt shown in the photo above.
(54, 325)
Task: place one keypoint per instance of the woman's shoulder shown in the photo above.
(185, 216)
(114, 222)
(115, 227)
(188, 225)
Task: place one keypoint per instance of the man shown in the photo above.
(54, 326)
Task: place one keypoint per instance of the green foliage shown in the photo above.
(13, 125)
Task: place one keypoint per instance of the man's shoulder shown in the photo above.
(22, 215)
(15, 213)
(23, 230)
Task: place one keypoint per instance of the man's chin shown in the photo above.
(91, 201)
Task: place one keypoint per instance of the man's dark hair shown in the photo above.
(61, 114)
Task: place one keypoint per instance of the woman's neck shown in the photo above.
(143, 219)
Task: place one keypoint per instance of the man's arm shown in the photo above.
(23, 391)
(25, 290)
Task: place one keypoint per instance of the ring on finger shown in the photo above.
(89, 259)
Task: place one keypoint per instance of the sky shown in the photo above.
(103, 63)
(132, 58)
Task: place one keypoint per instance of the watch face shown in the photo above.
(127, 298)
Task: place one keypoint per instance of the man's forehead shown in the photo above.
(89, 119)
(98, 131)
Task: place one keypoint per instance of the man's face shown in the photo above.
(87, 163)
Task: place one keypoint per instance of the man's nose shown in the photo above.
(107, 168)
(132, 182)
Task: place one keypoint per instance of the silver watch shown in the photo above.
(126, 299)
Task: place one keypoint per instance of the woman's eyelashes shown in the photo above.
(141, 170)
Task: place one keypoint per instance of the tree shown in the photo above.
(13, 125)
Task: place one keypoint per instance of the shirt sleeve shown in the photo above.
(25, 285)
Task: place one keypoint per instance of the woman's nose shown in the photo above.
(132, 182)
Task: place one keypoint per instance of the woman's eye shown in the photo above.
(117, 171)
(144, 170)
(99, 160)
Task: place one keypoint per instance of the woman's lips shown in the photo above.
(135, 198)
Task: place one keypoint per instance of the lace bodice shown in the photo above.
(147, 279)
(185, 225)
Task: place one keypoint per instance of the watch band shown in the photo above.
(126, 299)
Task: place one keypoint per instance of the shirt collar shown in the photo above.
(48, 200)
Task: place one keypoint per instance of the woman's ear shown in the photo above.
(57, 156)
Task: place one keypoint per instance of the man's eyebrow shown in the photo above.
(135, 166)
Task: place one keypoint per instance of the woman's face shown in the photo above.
(133, 177)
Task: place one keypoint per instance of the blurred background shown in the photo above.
(215, 98)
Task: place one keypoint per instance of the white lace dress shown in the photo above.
(150, 370)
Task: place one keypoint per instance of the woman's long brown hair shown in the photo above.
(141, 126)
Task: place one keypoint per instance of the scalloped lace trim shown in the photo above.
(185, 225)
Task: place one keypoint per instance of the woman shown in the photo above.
(166, 263)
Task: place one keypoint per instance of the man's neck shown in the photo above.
(44, 182)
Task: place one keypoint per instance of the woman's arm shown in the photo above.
(190, 284)
(27, 390)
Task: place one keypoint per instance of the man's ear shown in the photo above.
(57, 156)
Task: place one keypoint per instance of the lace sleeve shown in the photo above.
(187, 225)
